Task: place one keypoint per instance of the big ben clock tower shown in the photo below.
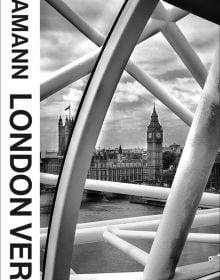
(154, 149)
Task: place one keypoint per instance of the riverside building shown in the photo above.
(124, 165)
(119, 165)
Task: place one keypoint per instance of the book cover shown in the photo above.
(107, 109)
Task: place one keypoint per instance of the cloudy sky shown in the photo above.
(131, 107)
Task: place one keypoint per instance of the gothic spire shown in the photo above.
(120, 150)
(60, 120)
(154, 122)
(154, 114)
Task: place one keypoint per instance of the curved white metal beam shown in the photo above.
(190, 180)
(206, 270)
(185, 52)
(128, 220)
(134, 252)
(68, 74)
(99, 92)
(182, 47)
(158, 91)
(150, 235)
(207, 200)
(94, 234)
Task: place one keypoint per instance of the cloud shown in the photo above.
(173, 74)
(100, 15)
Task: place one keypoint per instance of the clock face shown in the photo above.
(158, 135)
(150, 135)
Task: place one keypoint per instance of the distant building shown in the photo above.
(50, 162)
(111, 165)
(126, 165)
(174, 148)
(154, 149)
(121, 165)
(64, 132)
(213, 184)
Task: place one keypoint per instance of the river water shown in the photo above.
(102, 257)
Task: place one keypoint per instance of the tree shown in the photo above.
(168, 159)
(168, 176)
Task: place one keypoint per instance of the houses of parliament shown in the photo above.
(121, 165)
(124, 165)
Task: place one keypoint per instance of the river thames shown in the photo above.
(102, 257)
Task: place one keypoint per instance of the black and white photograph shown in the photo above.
(126, 122)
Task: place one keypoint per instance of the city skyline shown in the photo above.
(68, 119)
(131, 106)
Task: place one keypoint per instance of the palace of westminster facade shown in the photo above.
(122, 165)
